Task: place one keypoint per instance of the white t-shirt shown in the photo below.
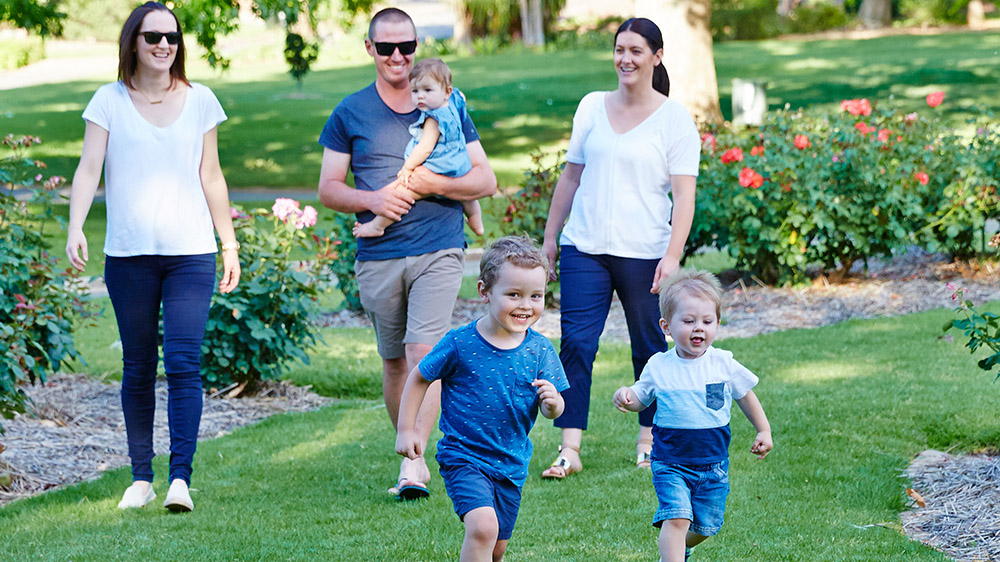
(156, 204)
(622, 206)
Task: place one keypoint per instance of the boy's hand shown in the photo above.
(762, 444)
(548, 396)
(623, 399)
(409, 445)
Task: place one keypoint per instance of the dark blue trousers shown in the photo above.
(138, 286)
(588, 282)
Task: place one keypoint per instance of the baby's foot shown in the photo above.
(367, 230)
(476, 223)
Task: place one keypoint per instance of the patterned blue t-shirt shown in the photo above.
(488, 405)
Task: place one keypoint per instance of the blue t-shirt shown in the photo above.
(487, 402)
(449, 157)
(375, 136)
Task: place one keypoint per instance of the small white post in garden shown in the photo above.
(749, 101)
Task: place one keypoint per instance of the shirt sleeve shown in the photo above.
(441, 361)
(583, 121)
(741, 379)
(684, 153)
(212, 112)
(644, 388)
(335, 135)
(98, 110)
(550, 367)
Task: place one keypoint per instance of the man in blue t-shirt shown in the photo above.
(409, 278)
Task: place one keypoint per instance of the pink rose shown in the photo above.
(284, 207)
(883, 135)
(801, 142)
(306, 218)
(910, 117)
(935, 99)
(708, 142)
(734, 154)
(757, 150)
(750, 178)
(921, 177)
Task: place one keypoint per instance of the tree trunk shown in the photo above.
(976, 14)
(875, 13)
(687, 53)
(532, 34)
(462, 33)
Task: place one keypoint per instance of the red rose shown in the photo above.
(757, 150)
(921, 177)
(750, 178)
(801, 142)
(935, 99)
(734, 154)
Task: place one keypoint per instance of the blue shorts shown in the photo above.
(696, 492)
(469, 487)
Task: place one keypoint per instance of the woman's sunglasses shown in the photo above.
(386, 49)
(154, 37)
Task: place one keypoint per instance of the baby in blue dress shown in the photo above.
(438, 142)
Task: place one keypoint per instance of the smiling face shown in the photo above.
(393, 69)
(634, 59)
(516, 300)
(159, 57)
(692, 325)
(428, 94)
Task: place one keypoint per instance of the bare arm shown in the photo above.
(337, 195)
(562, 201)
(408, 442)
(683, 189)
(550, 401)
(479, 182)
(754, 412)
(213, 183)
(85, 180)
(428, 139)
(626, 400)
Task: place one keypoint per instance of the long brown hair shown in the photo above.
(127, 57)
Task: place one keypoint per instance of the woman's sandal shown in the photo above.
(561, 467)
(644, 459)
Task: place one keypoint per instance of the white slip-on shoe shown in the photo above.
(178, 497)
(134, 496)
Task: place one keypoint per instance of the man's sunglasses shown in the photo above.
(386, 49)
(154, 37)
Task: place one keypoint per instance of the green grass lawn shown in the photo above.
(850, 404)
(522, 101)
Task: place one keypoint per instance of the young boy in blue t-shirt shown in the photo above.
(496, 374)
(694, 385)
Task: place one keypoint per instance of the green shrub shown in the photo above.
(811, 18)
(15, 53)
(527, 210)
(751, 20)
(266, 323)
(38, 304)
(95, 19)
(832, 187)
(982, 328)
(345, 250)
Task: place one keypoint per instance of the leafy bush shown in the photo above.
(342, 263)
(15, 53)
(38, 305)
(528, 209)
(835, 187)
(982, 328)
(266, 323)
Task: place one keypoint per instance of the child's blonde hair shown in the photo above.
(432, 69)
(518, 250)
(696, 282)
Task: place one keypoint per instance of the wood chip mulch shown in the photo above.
(76, 430)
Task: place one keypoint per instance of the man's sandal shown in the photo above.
(561, 467)
(645, 458)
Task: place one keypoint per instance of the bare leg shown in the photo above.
(376, 227)
(672, 541)
(474, 216)
(480, 541)
(644, 446)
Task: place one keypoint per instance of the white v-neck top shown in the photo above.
(622, 206)
(155, 201)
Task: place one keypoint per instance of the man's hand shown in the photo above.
(391, 202)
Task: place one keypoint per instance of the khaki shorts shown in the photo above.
(410, 299)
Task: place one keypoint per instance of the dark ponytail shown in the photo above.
(651, 33)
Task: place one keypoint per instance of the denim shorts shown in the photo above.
(470, 488)
(696, 492)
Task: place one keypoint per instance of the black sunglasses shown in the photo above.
(405, 48)
(154, 37)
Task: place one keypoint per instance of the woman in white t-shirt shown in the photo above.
(629, 151)
(155, 135)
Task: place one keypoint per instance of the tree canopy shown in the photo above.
(37, 16)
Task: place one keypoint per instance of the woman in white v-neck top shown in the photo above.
(154, 133)
(631, 150)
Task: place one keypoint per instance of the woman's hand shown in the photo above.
(551, 251)
(230, 271)
(76, 249)
(668, 266)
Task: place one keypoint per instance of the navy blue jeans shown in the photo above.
(138, 286)
(588, 282)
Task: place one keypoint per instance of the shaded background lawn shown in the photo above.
(521, 101)
(851, 404)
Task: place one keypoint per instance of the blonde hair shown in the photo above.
(517, 250)
(689, 282)
(431, 69)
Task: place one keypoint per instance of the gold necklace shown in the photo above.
(151, 102)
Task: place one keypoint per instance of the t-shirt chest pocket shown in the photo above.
(715, 395)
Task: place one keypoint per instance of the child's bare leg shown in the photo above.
(376, 227)
(499, 550)
(481, 528)
(673, 539)
(694, 539)
(474, 215)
